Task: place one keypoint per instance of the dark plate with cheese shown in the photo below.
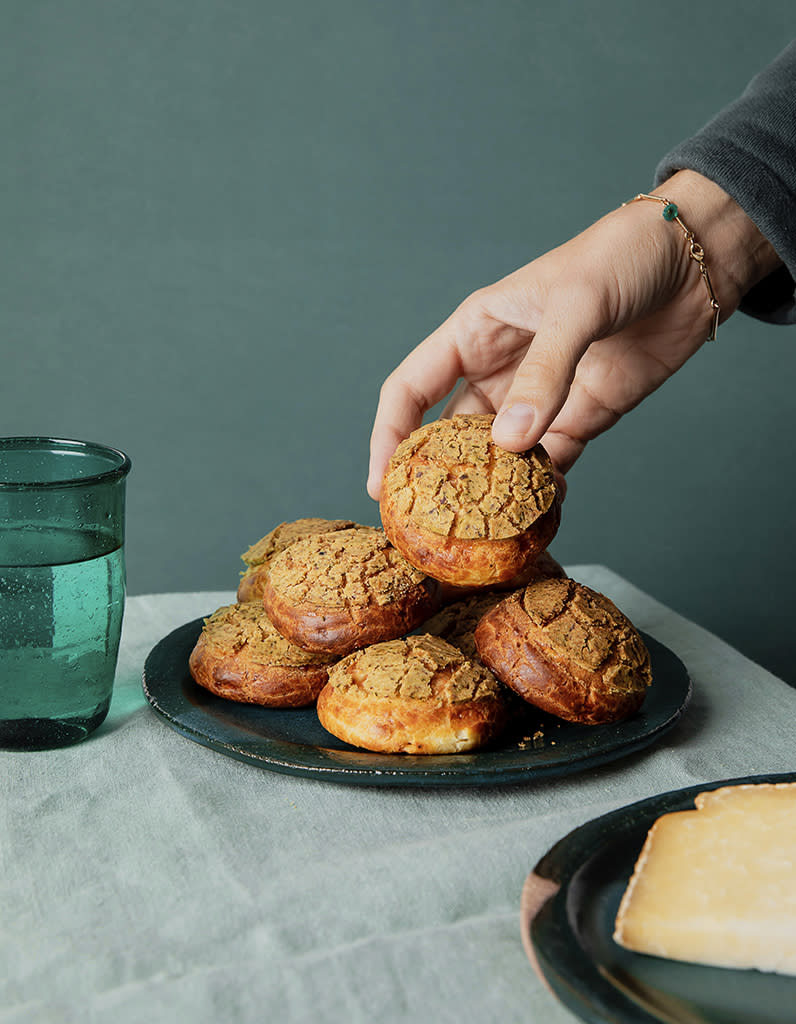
(569, 905)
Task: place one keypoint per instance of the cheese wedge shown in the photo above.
(717, 885)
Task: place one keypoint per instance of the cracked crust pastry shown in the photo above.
(258, 557)
(463, 509)
(240, 655)
(336, 592)
(418, 695)
(456, 622)
(568, 650)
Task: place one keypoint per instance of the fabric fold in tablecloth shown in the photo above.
(146, 877)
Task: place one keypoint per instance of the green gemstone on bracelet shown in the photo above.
(670, 211)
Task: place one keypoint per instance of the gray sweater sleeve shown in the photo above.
(749, 149)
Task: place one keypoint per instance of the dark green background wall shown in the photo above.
(223, 224)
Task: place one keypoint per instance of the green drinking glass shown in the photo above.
(62, 587)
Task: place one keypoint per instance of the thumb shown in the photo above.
(543, 379)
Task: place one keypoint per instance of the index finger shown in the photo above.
(422, 379)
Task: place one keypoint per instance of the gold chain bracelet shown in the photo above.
(695, 251)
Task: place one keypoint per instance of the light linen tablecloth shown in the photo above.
(148, 878)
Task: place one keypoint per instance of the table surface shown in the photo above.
(146, 877)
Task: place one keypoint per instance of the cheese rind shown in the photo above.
(717, 885)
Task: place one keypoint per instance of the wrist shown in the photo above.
(737, 254)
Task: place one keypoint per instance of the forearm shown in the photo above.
(749, 150)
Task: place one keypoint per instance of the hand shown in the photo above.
(564, 346)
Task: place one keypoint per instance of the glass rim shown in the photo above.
(54, 444)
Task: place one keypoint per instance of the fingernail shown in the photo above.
(516, 421)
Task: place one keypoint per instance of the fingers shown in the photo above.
(516, 347)
(382, 445)
(384, 441)
(467, 398)
(424, 377)
(563, 450)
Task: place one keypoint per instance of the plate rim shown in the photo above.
(601, 1002)
(407, 769)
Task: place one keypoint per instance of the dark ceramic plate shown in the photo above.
(295, 742)
(569, 903)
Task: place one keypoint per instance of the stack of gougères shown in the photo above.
(418, 637)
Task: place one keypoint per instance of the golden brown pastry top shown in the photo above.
(287, 533)
(238, 627)
(586, 629)
(451, 479)
(415, 668)
(349, 567)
